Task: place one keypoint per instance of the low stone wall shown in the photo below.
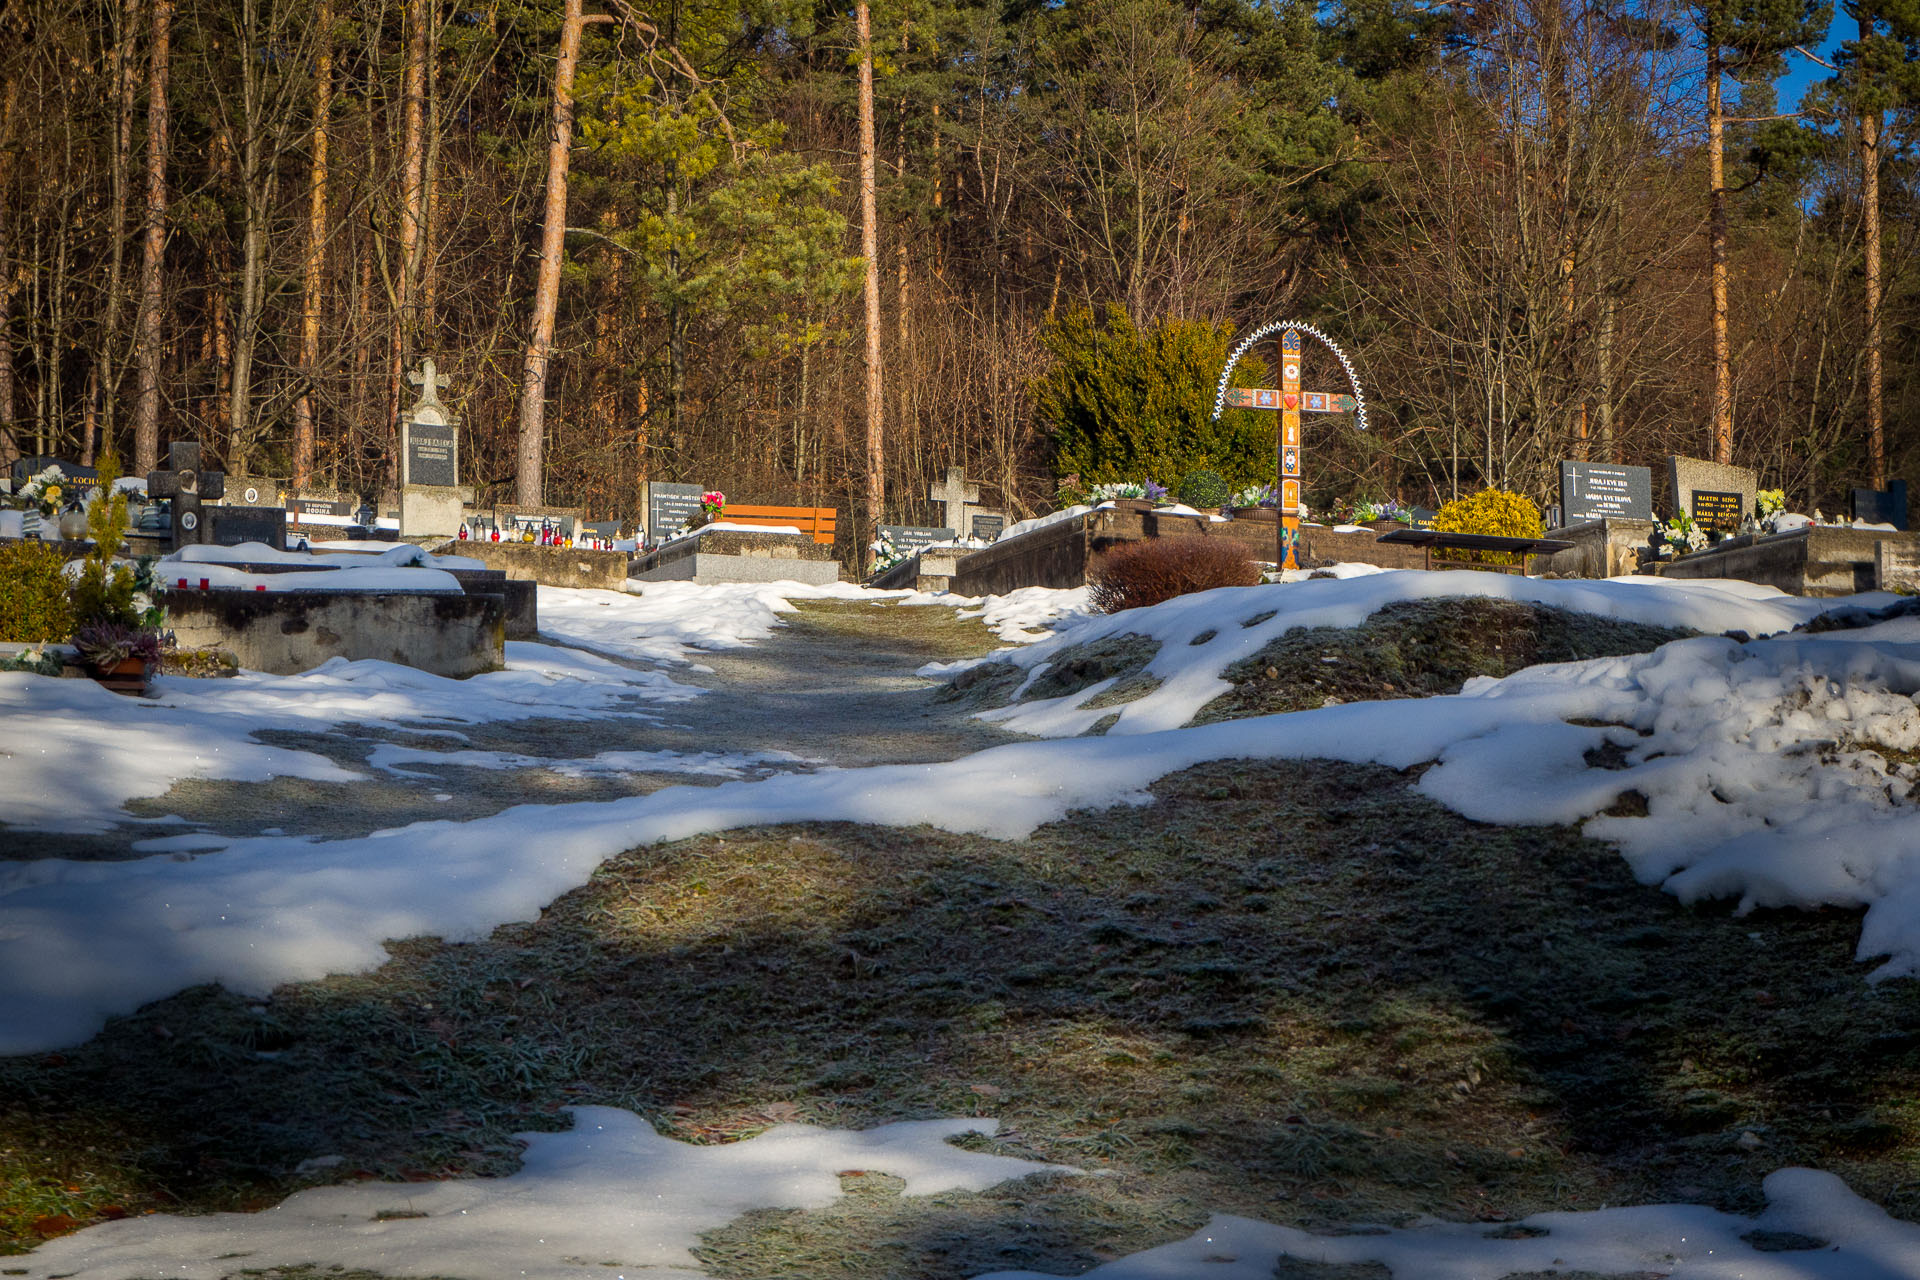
(1815, 561)
(287, 632)
(733, 555)
(1604, 548)
(549, 566)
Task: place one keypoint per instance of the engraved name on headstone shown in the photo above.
(671, 507)
(986, 526)
(1598, 491)
(909, 538)
(1716, 510)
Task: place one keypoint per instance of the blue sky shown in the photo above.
(1801, 72)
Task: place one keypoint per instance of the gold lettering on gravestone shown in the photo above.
(1716, 510)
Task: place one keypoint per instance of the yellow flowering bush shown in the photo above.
(1494, 512)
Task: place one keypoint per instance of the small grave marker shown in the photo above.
(1596, 491)
(986, 526)
(1882, 506)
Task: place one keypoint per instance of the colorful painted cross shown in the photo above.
(1289, 401)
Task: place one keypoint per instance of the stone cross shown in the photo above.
(956, 495)
(429, 383)
(187, 485)
(1288, 401)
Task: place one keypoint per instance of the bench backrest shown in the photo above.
(817, 521)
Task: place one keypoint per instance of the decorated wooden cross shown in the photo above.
(1289, 401)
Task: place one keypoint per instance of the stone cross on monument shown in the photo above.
(429, 383)
(186, 485)
(956, 495)
(1288, 401)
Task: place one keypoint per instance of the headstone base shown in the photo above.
(432, 511)
(1606, 548)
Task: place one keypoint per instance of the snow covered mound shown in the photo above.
(1190, 670)
(1846, 1238)
(608, 1199)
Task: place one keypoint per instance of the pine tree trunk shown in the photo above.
(529, 480)
(870, 250)
(9, 445)
(314, 279)
(1717, 252)
(412, 215)
(126, 94)
(1870, 217)
(146, 419)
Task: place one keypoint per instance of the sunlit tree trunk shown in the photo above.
(529, 487)
(146, 421)
(314, 279)
(1717, 236)
(870, 250)
(1870, 216)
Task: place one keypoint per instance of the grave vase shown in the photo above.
(1262, 515)
(1386, 526)
(73, 524)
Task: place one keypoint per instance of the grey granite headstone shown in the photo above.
(670, 506)
(1689, 476)
(1882, 506)
(986, 526)
(1597, 491)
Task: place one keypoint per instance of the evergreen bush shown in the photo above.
(1204, 488)
(1121, 402)
(33, 594)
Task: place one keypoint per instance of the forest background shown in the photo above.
(242, 221)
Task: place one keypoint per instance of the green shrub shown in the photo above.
(33, 594)
(1125, 403)
(1204, 488)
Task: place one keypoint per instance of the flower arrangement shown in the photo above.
(1682, 534)
(104, 645)
(1368, 512)
(1770, 505)
(1150, 491)
(712, 504)
(885, 553)
(43, 493)
(1255, 495)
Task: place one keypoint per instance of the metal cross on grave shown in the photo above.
(188, 486)
(429, 383)
(1288, 401)
(956, 495)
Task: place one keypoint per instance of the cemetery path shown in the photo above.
(834, 685)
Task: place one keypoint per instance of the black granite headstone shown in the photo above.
(986, 527)
(1421, 518)
(235, 525)
(1713, 509)
(1595, 491)
(1882, 506)
(27, 468)
(432, 454)
(187, 487)
(324, 506)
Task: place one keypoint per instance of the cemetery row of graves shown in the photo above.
(1718, 523)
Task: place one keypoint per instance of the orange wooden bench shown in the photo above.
(817, 521)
